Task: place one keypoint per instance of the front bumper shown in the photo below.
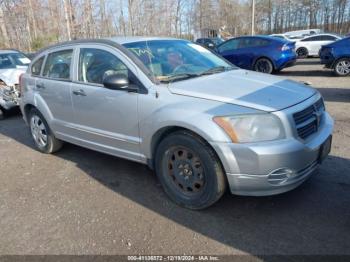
(270, 168)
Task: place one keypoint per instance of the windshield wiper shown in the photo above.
(184, 76)
(178, 77)
(217, 69)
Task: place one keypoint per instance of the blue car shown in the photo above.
(264, 54)
(336, 56)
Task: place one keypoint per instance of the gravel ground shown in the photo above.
(83, 202)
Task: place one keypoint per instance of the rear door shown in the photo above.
(249, 49)
(106, 120)
(309, 43)
(314, 43)
(54, 88)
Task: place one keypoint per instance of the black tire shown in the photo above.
(263, 65)
(52, 144)
(342, 67)
(194, 179)
(302, 52)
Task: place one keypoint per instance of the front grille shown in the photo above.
(308, 121)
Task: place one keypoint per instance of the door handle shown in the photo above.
(79, 92)
(40, 86)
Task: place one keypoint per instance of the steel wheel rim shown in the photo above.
(343, 67)
(38, 131)
(263, 66)
(185, 170)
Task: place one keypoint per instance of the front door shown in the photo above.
(106, 120)
(229, 50)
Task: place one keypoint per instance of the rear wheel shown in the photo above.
(302, 52)
(42, 135)
(342, 67)
(189, 171)
(263, 65)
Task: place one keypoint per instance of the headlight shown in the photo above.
(252, 127)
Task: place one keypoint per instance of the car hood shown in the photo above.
(11, 76)
(245, 88)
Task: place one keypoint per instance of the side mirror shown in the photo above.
(118, 82)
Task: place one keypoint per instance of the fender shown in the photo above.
(184, 115)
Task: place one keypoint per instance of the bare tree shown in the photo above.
(29, 24)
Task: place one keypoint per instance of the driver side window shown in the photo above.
(96, 64)
(230, 45)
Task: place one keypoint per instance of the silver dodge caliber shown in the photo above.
(200, 122)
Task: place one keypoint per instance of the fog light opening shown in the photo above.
(280, 176)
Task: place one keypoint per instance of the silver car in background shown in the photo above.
(201, 123)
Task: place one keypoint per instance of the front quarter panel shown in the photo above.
(160, 109)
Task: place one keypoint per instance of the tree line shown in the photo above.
(32, 24)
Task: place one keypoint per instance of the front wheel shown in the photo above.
(342, 67)
(189, 171)
(263, 65)
(42, 135)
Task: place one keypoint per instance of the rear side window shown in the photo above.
(329, 38)
(96, 64)
(253, 42)
(58, 65)
(310, 39)
(36, 67)
(315, 38)
(261, 42)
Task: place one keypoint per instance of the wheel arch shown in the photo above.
(338, 59)
(36, 101)
(27, 108)
(163, 132)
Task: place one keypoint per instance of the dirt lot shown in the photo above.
(82, 202)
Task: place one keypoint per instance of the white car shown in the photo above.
(310, 46)
(303, 33)
(12, 65)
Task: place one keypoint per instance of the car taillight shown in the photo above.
(286, 47)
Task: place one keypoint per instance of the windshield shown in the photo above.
(171, 60)
(13, 60)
